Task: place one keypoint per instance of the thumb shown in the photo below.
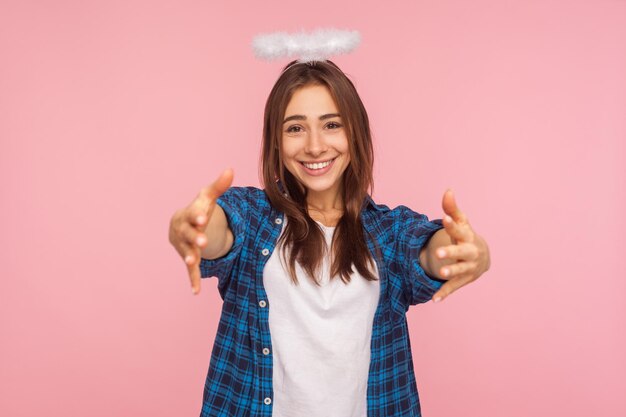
(448, 202)
(451, 208)
(221, 184)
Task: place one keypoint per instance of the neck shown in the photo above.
(325, 201)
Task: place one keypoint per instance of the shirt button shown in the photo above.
(265, 252)
(278, 221)
(267, 400)
(262, 303)
(266, 351)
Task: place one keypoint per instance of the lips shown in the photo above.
(317, 162)
(319, 171)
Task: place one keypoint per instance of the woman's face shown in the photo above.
(313, 133)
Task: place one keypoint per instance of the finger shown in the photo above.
(204, 204)
(450, 207)
(462, 251)
(192, 236)
(192, 260)
(457, 269)
(186, 252)
(451, 286)
(196, 214)
(459, 232)
(220, 185)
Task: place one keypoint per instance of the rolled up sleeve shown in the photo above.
(235, 204)
(413, 232)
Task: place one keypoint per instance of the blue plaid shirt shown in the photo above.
(239, 381)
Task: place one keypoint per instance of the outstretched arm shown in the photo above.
(201, 229)
(455, 253)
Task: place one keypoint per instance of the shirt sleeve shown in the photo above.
(236, 206)
(414, 231)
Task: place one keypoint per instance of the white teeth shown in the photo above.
(318, 166)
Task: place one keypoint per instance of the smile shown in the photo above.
(318, 168)
(318, 165)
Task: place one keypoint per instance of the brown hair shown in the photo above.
(302, 234)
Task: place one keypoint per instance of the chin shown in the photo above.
(318, 188)
(316, 185)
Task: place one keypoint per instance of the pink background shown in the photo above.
(114, 114)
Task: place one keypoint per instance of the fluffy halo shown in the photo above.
(318, 45)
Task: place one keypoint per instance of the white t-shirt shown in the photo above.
(320, 339)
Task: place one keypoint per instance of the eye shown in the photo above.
(294, 129)
(335, 124)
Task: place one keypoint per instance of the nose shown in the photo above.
(315, 145)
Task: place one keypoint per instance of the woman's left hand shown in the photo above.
(465, 259)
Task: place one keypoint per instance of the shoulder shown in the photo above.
(396, 220)
(245, 194)
(384, 212)
(246, 200)
(381, 219)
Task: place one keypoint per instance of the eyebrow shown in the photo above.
(301, 117)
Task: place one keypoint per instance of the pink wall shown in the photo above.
(115, 114)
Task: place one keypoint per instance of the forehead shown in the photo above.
(311, 99)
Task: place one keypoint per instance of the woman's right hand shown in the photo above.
(188, 226)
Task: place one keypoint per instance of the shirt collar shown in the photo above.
(370, 204)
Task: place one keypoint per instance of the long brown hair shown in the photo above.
(302, 234)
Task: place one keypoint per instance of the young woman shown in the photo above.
(315, 276)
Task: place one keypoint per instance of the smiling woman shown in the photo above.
(316, 277)
(314, 115)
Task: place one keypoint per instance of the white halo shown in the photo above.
(318, 45)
